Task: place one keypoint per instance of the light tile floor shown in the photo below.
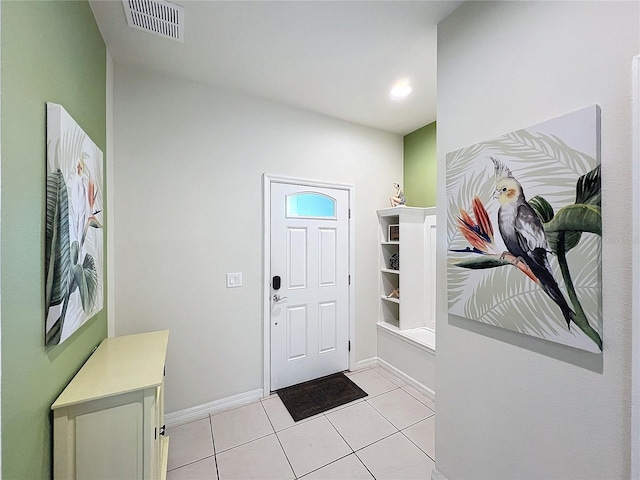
(387, 435)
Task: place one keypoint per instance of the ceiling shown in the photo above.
(337, 58)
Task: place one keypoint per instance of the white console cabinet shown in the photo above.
(109, 421)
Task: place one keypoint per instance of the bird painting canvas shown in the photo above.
(74, 227)
(524, 231)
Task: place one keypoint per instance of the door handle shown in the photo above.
(277, 298)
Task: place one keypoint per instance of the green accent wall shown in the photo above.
(420, 167)
(51, 51)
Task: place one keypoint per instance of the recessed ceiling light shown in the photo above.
(401, 89)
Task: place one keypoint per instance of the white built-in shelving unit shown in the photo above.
(411, 316)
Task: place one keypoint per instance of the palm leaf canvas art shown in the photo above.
(74, 219)
(524, 231)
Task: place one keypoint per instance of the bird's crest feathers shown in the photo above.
(501, 170)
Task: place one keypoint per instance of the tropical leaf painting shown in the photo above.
(74, 220)
(524, 230)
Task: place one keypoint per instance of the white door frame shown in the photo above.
(267, 180)
(635, 305)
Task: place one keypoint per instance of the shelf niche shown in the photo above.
(415, 277)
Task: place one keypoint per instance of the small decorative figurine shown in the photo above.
(398, 198)
(394, 261)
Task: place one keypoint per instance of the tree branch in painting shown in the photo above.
(562, 230)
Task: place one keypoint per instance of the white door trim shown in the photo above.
(268, 179)
(635, 308)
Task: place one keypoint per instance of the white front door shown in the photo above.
(310, 255)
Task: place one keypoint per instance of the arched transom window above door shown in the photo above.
(310, 205)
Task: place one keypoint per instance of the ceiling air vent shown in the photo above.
(156, 16)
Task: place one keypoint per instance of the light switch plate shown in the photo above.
(234, 280)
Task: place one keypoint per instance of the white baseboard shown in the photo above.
(366, 363)
(437, 474)
(202, 411)
(426, 391)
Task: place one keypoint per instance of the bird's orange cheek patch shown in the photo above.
(511, 193)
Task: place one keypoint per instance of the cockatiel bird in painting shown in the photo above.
(523, 234)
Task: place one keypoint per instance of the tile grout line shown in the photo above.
(343, 406)
(326, 465)
(198, 459)
(384, 438)
(415, 423)
(279, 442)
(369, 444)
(333, 461)
(391, 374)
(377, 441)
(190, 463)
(325, 414)
(410, 425)
(383, 416)
(320, 415)
(355, 452)
(338, 432)
(249, 441)
(404, 384)
(231, 409)
(245, 443)
(414, 396)
(365, 465)
(213, 443)
(418, 446)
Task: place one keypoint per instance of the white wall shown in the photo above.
(111, 326)
(510, 406)
(188, 209)
(415, 362)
